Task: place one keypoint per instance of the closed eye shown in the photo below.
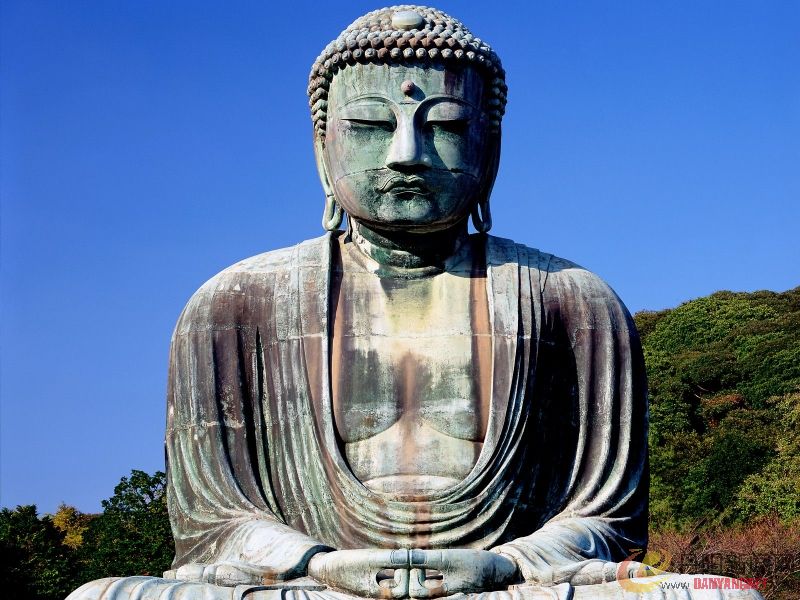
(373, 123)
(456, 126)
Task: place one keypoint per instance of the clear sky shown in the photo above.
(146, 145)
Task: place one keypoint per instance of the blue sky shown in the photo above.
(146, 145)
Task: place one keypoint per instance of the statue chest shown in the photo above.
(411, 373)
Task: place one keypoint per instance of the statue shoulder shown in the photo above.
(571, 279)
(257, 276)
(583, 298)
(561, 281)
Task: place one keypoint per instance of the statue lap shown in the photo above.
(669, 587)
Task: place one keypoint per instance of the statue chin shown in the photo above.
(420, 416)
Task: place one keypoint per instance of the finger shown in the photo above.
(357, 571)
(465, 570)
(425, 558)
(450, 559)
(369, 585)
(434, 559)
(381, 559)
(421, 587)
(401, 583)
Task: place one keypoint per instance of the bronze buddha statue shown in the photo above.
(402, 409)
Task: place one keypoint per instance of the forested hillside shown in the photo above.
(724, 380)
(724, 375)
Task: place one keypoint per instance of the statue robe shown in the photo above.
(255, 469)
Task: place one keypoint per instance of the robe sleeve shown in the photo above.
(221, 504)
(600, 511)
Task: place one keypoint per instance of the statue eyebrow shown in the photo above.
(432, 99)
(439, 98)
(367, 97)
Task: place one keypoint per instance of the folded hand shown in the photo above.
(412, 573)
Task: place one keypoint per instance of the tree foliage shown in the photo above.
(132, 536)
(47, 557)
(35, 563)
(724, 379)
(72, 523)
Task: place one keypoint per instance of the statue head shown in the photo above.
(407, 106)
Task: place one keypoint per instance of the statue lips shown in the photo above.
(404, 186)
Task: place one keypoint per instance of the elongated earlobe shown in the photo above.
(482, 216)
(332, 216)
(481, 212)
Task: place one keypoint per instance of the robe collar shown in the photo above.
(511, 328)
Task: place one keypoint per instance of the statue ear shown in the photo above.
(481, 213)
(322, 168)
(332, 215)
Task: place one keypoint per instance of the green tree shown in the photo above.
(132, 536)
(35, 564)
(775, 489)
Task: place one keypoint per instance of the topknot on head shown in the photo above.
(411, 35)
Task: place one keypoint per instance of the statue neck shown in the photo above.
(411, 254)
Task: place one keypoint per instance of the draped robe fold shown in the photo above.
(255, 469)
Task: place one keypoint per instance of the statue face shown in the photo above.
(407, 148)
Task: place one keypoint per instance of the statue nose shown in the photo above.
(407, 150)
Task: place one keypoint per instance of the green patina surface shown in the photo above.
(404, 410)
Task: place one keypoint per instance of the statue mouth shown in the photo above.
(404, 185)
